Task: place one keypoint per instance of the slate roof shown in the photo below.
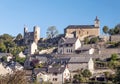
(4, 54)
(51, 70)
(13, 64)
(59, 60)
(70, 40)
(79, 26)
(84, 47)
(41, 58)
(42, 70)
(79, 59)
(56, 69)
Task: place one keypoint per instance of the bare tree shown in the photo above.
(52, 32)
(18, 77)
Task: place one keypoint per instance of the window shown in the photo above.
(54, 79)
(67, 45)
(55, 74)
(67, 50)
(87, 32)
(61, 51)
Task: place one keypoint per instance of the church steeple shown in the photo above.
(97, 22)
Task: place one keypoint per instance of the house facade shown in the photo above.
(81, 63)
(68, 45)
(82, 31)
(55, 75)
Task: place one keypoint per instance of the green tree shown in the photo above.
(6, 37)
(116, 30)
(19, 37)
(2, 47)
(111, 32)
(105, 29)
(52, 32)
(78, 78)
(4, 58)
(114, 57)
(20, 60)
(94, 40)
(86, 73)
(86, 40)
(117, 77)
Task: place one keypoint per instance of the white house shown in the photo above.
(41, 74)
(21, 55)
(56, 75)
(3, 70)
(68, 45)
(32, 48)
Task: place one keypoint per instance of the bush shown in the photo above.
(18, 77)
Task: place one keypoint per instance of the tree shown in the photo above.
(111, 32)
(105, 29)
(6, 37)
(20, 60)
(52, 32)
(4, 59)
(114, 57)
(19, 37)
(18, 77)
(116, 30)
(78, 78)
(94, 40)
(2, 47)
(117, 77)
(86, 40)
(86, 73)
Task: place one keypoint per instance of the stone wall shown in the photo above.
(81, 33)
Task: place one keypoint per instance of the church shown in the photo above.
(82, 31)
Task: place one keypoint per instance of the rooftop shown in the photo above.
(79, 26)
(79, 59)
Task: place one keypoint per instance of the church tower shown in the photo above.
(97, 22)
(36, 34)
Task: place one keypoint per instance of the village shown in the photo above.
(79, 56)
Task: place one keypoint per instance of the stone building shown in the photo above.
(79, 63)
(29, 37)
(114, 38)
(68, 45)
(82, 31)
(55, 75)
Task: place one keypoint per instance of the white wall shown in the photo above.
(33, 48)
(77, 44)
(66, 74)
(91, 51)
(45, 77)
(91, 65)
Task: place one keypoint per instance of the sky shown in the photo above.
(14, 14)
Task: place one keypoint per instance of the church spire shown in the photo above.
(96, 19)
(97, 22)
